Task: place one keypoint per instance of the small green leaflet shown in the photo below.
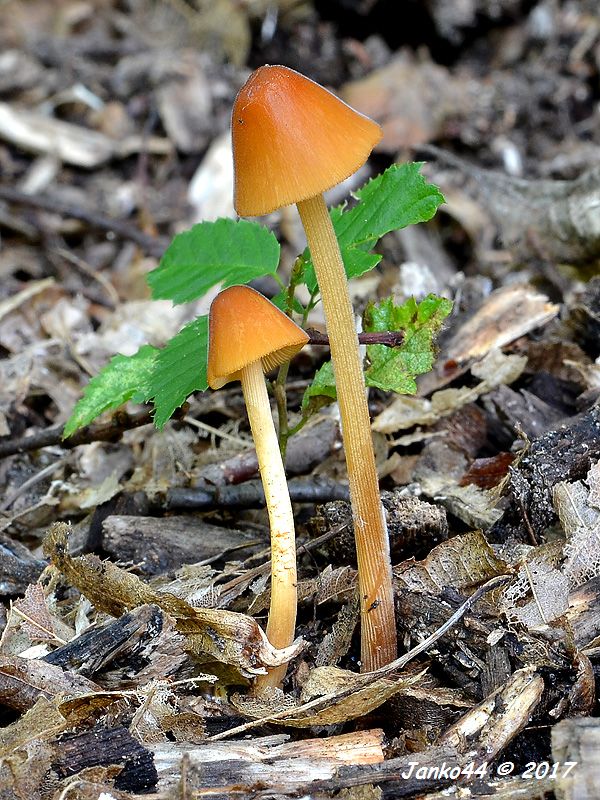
(226, 252)
(123, 378)
(321, 391)
(394, 369)
(179, 370)
(398, 197)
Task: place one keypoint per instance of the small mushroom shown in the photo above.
(293, 140)
(249, 336)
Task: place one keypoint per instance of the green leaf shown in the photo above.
(321, 392)
(122, 379)
(280, 300)
(230, 252)
(394, 369)
(398, 197)
(179, 370)
(166, 377)
(226, 252)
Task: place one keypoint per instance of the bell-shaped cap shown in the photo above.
(292, 139)
(244, 327)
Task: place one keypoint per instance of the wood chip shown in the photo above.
(283, 766)
(507, 314)
(72, 144)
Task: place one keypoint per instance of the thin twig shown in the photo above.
(35, 287)
(35, 479)
(152, 245)
(96, 275)
(387, 338)
(204, 426)
(263, 569)
(110, 431)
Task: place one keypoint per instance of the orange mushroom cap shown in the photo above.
(292, 139)
(244, 327)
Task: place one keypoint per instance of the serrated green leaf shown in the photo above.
(395, 369)
(398, 197)
(123, 378)
(321, 391)
(227, 252)
(179, 370)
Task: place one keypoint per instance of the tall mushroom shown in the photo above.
(248, 336)
(293, 140)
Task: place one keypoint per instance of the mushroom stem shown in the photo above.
(378, 626)
(282, 614)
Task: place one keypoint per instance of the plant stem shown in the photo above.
(378, 627)
(282, 614)
(295, 278)
(279, 385)
(281, 401)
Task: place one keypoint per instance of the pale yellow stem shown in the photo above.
(282, 615)
(378, 626)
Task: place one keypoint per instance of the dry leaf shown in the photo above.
(507, 314)
(26, 770)
(23, 681)
(472, 505)
(184, 102)
(439, 695)
(159, 708)
(85, 709)
(329, 696)
(538, 594)
(578, 507)
(462, 562)
(404, 412)
(550, 590)
(31, 615)
(412, 99)
(337, 642)
(73, 144)
(330, 585)
(209, 191)
(228, 637)
(41, 721)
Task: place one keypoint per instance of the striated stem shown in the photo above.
(378, 626)
(282, 614)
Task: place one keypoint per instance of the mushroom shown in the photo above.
(293, 140)
(248, 336)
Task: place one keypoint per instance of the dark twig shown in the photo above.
(110, 431)
(251, 495)
(150, 244)
(388, 338)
